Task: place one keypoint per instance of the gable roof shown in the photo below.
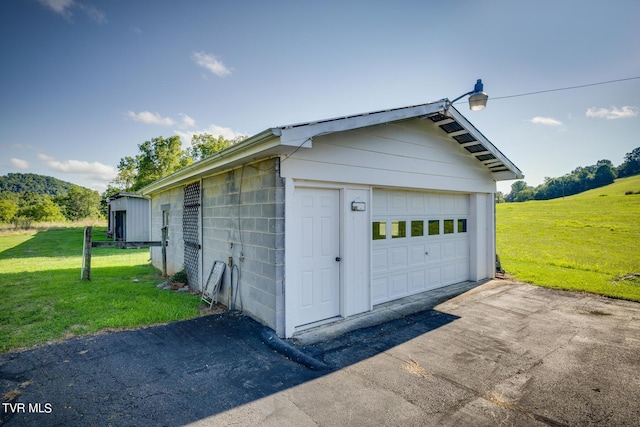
(125, 194)
(290, 138)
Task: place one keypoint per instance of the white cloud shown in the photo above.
(19, 164)
(93, 13)
(187, 121)
(547, 121)
(215, 130)
(89, 170)
(64, 9)
(150, 118)
(61, 7)
(211, 63)
(613, 112)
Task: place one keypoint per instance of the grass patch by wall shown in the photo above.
(42, 298)
(588, 242)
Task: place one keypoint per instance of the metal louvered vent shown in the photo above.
(476, 148)
(484, 157)
(464, 138)
(451, 127)
(438, 118)
(191, 236)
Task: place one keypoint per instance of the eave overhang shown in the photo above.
(286, 140)
(462, 132)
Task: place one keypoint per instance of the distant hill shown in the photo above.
(41, 184)
(621, 186)
(586, 242)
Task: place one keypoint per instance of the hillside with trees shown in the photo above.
(30, 198)
(580, 179)
(26, 198)
(39, 184)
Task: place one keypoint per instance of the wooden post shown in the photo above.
(86, 254)
(164, 251)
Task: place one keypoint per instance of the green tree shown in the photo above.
(205, 145)
(604, 175)
(8, 209)
(520, 192)
(631, 164)
(110, 191)
(80, 203)
(158, 157)
(42, 211)
(127, 172)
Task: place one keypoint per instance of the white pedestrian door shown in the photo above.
(318, 267)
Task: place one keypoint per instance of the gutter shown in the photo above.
(204, 164)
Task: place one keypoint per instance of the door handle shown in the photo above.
(338, 259)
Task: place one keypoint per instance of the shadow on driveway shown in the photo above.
(176, 373)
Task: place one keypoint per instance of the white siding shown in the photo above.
(137, 220)
(411, 154)
(137, 217)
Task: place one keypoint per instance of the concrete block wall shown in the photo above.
(243, 218)
(174, 198)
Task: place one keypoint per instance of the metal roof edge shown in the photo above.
(485, 141)
(297, 133)
(219, 159)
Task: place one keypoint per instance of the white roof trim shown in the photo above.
(279, 140)
(296, 135)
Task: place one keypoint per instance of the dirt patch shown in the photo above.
(414, 368)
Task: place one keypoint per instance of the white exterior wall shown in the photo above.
(174, 198)
(137, 220)
(137, 217)
(482, 240)
(410, 154)
(413, 154)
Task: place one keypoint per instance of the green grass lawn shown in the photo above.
(42, 298)
(586, 242)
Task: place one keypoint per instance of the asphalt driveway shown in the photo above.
(503, 353)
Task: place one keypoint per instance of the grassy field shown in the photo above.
(587, 242)
(42, 298)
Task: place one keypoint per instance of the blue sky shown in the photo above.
(83, 82)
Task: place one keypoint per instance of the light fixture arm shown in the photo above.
(478, 99)
(462, 96)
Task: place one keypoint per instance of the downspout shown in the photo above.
(201, 237)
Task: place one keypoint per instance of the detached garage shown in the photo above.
(324, 220)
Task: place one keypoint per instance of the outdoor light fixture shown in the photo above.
(477, 98)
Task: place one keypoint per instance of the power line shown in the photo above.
(563, 88)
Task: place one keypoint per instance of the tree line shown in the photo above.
(580, 179)
(29, 198)
(160, 157)
(40, 203)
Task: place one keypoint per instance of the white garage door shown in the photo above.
(420, 242)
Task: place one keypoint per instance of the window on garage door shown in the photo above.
(420, 242)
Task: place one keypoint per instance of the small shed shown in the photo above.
(328, 219)
(128, 218)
